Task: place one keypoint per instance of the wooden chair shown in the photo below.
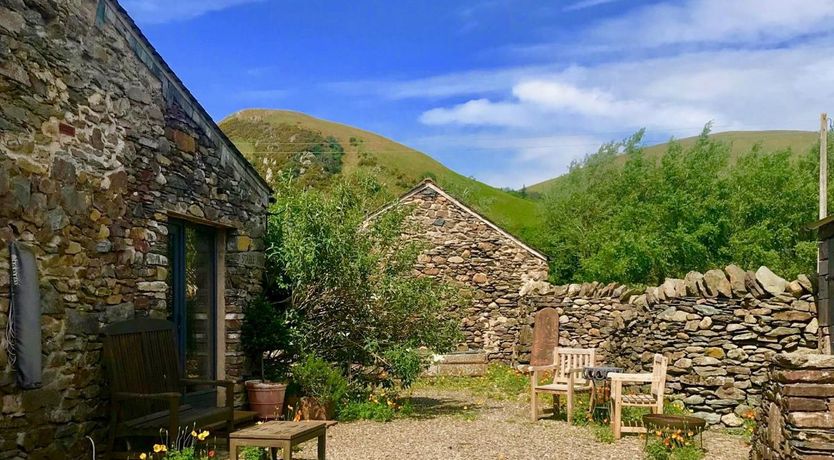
(146, 388)
(653, 400)
(567, 367)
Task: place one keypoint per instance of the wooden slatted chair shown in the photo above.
(146, 388)
(652, 400)
(567, 367)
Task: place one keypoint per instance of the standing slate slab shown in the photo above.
(545, 337)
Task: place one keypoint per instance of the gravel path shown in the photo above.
(453, 425)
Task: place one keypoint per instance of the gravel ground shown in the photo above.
(453, 425)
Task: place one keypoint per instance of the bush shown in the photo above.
(404, 364)
(268, 338)
(351, 281)
(317, 378)
(673, 444)
(366, 410)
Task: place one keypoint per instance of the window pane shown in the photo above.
(199, 302)
(191, 298)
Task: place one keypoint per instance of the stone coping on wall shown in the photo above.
(732, 282)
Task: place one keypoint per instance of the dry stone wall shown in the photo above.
(466, 249)
(99, 147)
(719, 330)
(796, 420)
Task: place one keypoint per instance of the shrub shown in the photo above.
(404, 364)
(366, 410)
(268, 337)
(673, 444)
(603, 433)
(319, 379)
(351, 281)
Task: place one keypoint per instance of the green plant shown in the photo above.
(707, 207)
(404, 363)
(268, 337)
(603, 433)
(657, 451)
(673, 444)
(351, 282)
(367, 410)
(252, 453)
(320, 379)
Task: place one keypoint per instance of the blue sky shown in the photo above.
(507, 91)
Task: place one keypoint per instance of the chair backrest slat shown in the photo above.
(141, 357)
(566, 359)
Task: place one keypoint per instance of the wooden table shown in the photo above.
(283, 435)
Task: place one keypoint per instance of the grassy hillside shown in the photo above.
(740, 141)
(278, 140)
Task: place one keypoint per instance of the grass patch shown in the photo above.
(603, 433)
(501, 382)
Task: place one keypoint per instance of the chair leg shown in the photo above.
(111, 435)
(534, 406)
(569, 397)
(556, 405)
(616, 401)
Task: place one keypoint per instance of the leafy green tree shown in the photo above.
(351, 281)
(619, 215)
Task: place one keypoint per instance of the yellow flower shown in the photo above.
(193, 434)
(160, 448)
(203, 435)
(143, 456)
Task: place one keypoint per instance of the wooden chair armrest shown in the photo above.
(635, 378)
(227, 384)
(123, 396)
(543, 368)
(577, 370)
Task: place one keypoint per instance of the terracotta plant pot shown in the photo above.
(266, 398)
(310, 408)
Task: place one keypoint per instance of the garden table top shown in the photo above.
(278, 430)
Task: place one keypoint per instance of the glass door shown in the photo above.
(192, 303)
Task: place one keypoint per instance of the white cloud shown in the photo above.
(670, 67)
(161, 11)
(673, 96)
(737, 22)
(584, 4)
(480, 112)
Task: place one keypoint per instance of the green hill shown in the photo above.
(740, 141)
(315, 149)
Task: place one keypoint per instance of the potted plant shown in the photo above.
(322, 385)
(267, 340)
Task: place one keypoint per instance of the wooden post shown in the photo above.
(823, 166)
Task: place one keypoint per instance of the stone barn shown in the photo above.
(465, 247)
(133, 203)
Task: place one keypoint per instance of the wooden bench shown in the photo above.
(146, 387)
(279, 435)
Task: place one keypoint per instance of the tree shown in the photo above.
(351, 281)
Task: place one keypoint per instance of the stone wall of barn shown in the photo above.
(719, 331)
(796, 420)
(464, 249)
(99, 146)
